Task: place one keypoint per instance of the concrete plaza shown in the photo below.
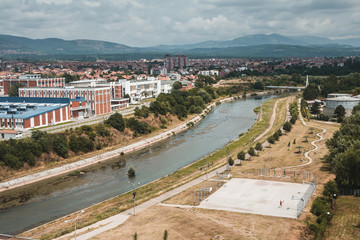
(257, 197)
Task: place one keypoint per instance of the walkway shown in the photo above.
(120, 218)
(312, 143)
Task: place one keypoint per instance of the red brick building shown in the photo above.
(98, 99)
(24, 113)
(33, 80)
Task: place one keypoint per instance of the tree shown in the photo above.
(355, 109)
(165, 235)
(258, 85)
(60, 145)
(287, 126)
(241, 155)
(177, 85)
(339, 113)
(131, 172)
(310, 92)
(135, 236)
(331, 190)
(258, 146)
(14, 89)
(306, 139)
(116, 121)
(127, 96)
(315, 108)
(231, 161)
(289, 145)
(251, 151)
(271, 139)
(294, 142)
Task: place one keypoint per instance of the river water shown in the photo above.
(69, 194)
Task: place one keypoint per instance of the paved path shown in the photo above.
(120, 218)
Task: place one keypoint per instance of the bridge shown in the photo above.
(290, 87)
(285, 87)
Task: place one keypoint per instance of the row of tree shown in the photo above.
(344, 147)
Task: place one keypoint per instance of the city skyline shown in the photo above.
(135, 23)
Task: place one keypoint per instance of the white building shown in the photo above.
(141, 89)
(174, 76)
(209, 73)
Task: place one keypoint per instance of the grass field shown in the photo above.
(346, 221)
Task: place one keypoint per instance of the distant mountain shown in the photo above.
(60, 46)
(259, 45)
(260, 39)
(275, 50)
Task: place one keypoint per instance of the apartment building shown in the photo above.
(141, 89)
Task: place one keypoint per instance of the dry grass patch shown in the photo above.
(346, 221)
(202, 224)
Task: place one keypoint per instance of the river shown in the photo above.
(71, 193)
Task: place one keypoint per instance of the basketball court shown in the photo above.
(258, 197)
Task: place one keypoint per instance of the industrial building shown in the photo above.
(97, 98)
(32, 112)
(334, 100)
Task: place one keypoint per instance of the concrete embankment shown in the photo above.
(28, 179)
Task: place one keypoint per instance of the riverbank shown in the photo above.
(70, 167)
(122, 202)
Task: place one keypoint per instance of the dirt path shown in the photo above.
(272, 120)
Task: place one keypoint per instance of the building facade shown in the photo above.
(139, 90)
(172, 62)
(98, 99)
(25, 112)
(33, 80)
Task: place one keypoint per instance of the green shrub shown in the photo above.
(241, 155)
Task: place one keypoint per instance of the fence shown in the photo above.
(279, 172)
(306, 197)
(352, 192)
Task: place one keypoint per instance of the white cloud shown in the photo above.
(152, 22)
(56, 2)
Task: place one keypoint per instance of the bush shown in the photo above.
(231, 161)
(258, 146)
(101, 130)
(131, 172)
(292, 121)
(12, 161)
(116, 121)
(251, 151)
(287, 126)
(320, 206)
(241, 155)
(60, 145)
(271, 139)
(331, 190)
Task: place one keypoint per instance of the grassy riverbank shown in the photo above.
(120, 203)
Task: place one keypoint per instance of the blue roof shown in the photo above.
(27, 107)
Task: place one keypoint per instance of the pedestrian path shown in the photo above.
(116, 220)
(310, 160)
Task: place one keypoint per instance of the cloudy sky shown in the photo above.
(153, 22)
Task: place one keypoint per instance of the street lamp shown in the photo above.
(82, 211)
(134, 193)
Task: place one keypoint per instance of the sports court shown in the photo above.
(259, 197)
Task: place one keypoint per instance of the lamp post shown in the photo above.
(82, 211)
(134, 193)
